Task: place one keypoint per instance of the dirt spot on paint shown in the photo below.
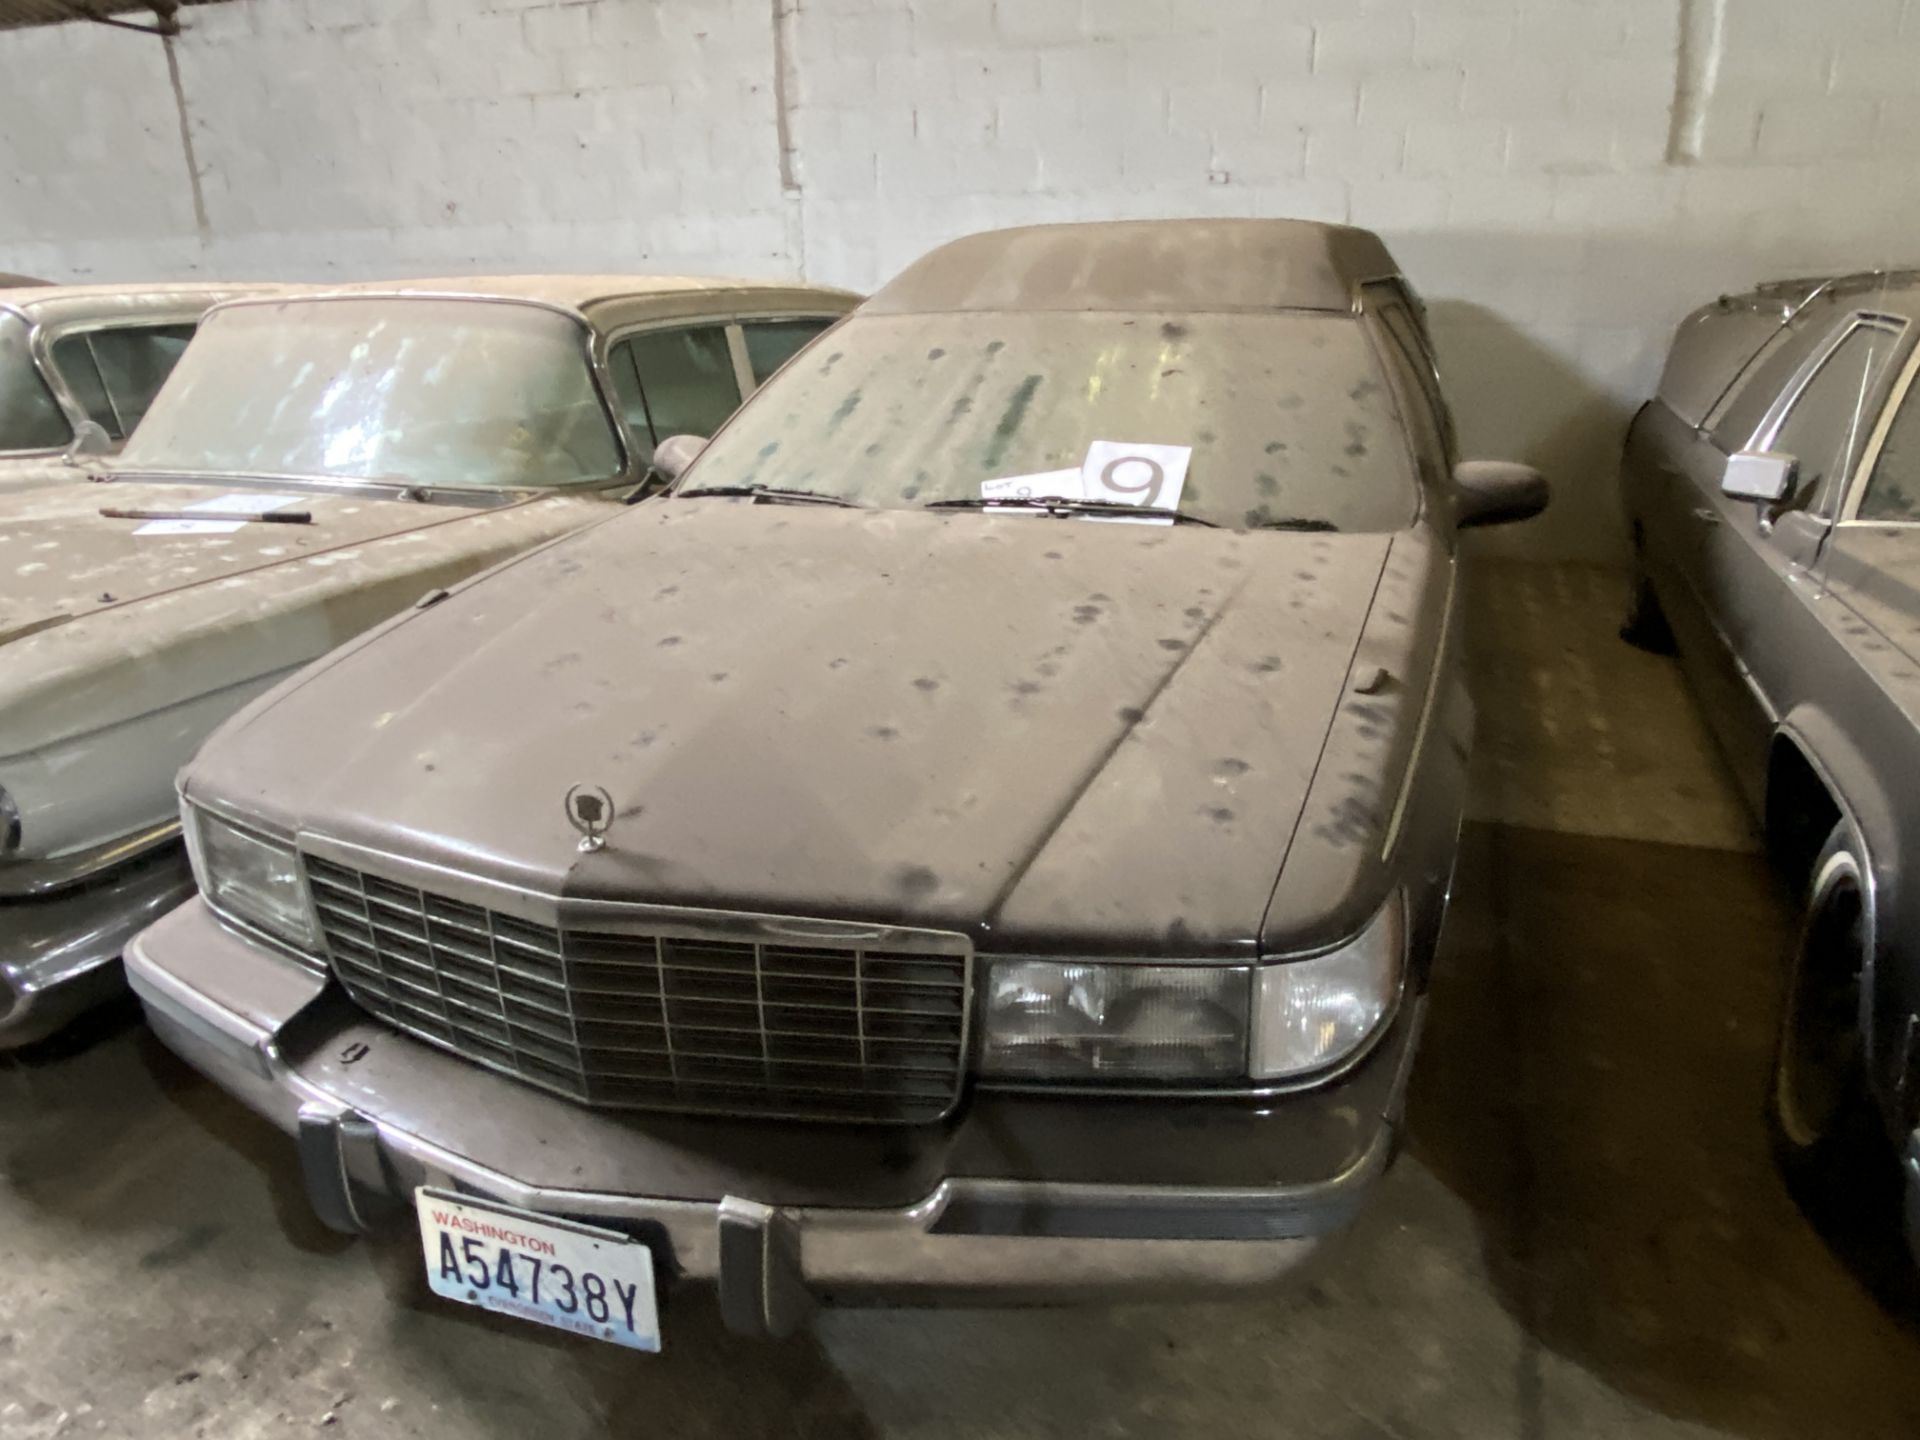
(916, 880)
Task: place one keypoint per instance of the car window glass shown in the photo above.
(132, 363)
(687, 381)
(1287, 416)
(414, 390)
(1422, 405)
(633, 403)
(1829, 422)
(73, 359)
(771, 343)
(1760, 387)
(30, 418)
(1893, 489)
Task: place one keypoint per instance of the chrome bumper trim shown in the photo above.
(990, 1240)
(23, 879)
(58, 952)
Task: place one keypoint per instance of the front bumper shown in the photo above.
(59, 952)
(1023, 1198)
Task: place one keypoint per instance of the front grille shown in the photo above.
(653, 1021)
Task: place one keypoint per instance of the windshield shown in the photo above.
(30, 418)
(458, 393)
(1286, 414)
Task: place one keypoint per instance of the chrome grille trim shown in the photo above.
(649, 1007)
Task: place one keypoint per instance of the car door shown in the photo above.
(1752, 555)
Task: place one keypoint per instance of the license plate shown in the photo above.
(533, 1267)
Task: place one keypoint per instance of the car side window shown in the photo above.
(134, 363)
(1893, 487)
(771, 343)
(674, 382)
(114, 374)
(1828, 423)
(72, 358)
(1761, 386)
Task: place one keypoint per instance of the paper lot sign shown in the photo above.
(1115, 471)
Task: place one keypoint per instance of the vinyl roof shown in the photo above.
(1171, 265)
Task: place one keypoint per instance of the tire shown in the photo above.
(1645, 626)
(1825, 1132)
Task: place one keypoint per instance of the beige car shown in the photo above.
(79, 364)
(315, 464)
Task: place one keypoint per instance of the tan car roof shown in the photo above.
(65, 304)
(580, 291)
(1163, 265)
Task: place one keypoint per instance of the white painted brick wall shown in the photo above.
(1521, 156)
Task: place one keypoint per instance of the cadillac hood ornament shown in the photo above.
(590, 811)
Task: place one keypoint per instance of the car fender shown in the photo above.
(1857, 790)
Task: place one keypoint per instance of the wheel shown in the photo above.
(1823, 1123)
(1646, 623)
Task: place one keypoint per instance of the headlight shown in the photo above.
(1309, 1014)
(1078, 1020)
(9, 823)
(250, 877)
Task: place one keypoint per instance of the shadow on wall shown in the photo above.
(1513, 398)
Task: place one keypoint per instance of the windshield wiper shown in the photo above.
(1063, 506)
(771, 492)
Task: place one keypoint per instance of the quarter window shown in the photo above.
(1768, 376)
(674, 382)
(114, 374)
(1829, 422)
(771, 343)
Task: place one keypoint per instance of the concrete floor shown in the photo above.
(1585, 1237)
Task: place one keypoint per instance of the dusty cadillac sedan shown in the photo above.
(1773, 490)
(80, 364)
(983, 835)
(314, 465)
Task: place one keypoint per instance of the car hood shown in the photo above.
(63, 558)
(1063, 734)
(19, 473)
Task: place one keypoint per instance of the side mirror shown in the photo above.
(673, 455)
(1764, 475)
(89, 438)
(1497, 492)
